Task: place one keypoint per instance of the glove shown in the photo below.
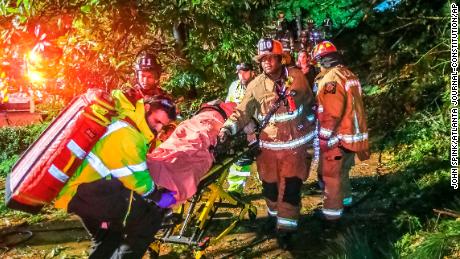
(224, 133)
(166, 200)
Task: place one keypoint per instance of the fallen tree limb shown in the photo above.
(447, 212)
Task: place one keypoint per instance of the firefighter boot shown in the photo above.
(284, 239)
(268, 225)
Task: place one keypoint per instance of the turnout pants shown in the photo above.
(121, 223)
(282, 173)
(333, 169)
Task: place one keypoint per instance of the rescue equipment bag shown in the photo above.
(44, 168)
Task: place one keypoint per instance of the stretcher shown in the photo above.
(189, 224)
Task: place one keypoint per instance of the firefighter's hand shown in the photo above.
(224, 133)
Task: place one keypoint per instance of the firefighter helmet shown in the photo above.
(146, 61)
(323, 48)
(267, 47)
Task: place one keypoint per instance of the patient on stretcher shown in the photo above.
(183, 159)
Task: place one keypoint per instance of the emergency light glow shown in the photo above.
(34, 57)
(35, 76)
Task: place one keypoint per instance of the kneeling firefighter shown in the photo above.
(281, 95)
(112, 191)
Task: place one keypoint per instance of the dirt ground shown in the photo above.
(66, 238)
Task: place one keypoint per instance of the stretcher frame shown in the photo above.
(210, 191)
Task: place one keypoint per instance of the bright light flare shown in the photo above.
(34, 57)
(35, 77)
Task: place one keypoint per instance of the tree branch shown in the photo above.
(447, 212)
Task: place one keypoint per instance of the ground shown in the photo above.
(61, 236)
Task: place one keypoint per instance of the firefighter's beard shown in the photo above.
(245, 82)
(151, 127)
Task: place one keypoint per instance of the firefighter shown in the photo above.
(342, 128)
(241, 169)
(148, 72)
(112, 191)
(237, 89)
(303, 43)
(283, 162)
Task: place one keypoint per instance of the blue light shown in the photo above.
(387, 4)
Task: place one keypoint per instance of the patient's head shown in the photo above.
(159, 112)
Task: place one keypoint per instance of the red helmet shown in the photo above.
(323, 48)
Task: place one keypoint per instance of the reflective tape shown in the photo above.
(234, 172)
(355, 121)
(332, 212)
(272, 213)
(121, 172)
(282, 117)
(350, 83)
(320, 109)
(325, 132)
(58, 174)
(114, 127)
(288, 144)
(240, 182)
(353, 138)
(332, 141)
(347, 138)
(97, 165)
(76, 149)
(150, 191)
(311, 117)
(127, 170)
(285, 222)
(139, 167)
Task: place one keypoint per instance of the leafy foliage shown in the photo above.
(14, 141)
(437, 243)
(66, 47)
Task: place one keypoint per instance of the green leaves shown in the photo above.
(86, 8)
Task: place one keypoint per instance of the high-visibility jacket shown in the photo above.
(120, 153)
(341, 113)
(285, 130)
(236, 92)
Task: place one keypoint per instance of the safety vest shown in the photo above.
(120, 153)
(235, 92)
(341, 113)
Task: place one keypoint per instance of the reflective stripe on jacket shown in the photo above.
(341, 113)
(285, 130)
